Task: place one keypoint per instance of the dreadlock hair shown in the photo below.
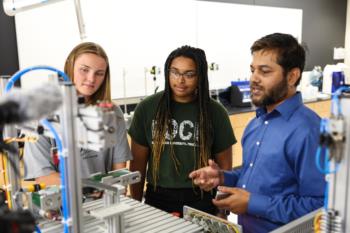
(163, 117)
(290, 54)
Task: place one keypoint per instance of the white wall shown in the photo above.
(347, 45)
(226, 32)
(139, 34)
(347, 36)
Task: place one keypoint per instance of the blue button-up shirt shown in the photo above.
(279, 168)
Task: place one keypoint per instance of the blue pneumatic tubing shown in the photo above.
(37, 229)
(335, 100)
(19, 74)
(66, 213)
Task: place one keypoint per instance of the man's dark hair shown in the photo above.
(164, 112)
(290, 54)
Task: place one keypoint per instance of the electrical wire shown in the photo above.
(9, 160)
(4, 159)
(8, 194)
(2, 170)
(317, 223)
(23, 139)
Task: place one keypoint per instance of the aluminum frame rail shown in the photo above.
(143, 218)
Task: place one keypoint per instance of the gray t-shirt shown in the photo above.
(38, 161)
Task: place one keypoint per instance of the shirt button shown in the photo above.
(243, 186)
(251, 164)
(266, 122)
(257, 143)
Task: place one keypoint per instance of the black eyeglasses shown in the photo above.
(188, 75)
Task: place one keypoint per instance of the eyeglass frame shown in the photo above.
(188, 75)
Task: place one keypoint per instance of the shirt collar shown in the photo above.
(286, 108)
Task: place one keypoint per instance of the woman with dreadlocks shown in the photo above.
(178, 130)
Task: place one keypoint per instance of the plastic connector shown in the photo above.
(40, 130)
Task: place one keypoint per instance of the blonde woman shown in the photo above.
(88, 67)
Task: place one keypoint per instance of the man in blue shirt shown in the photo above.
(278, 181)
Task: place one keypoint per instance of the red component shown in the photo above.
(55, 158)
(176, 214)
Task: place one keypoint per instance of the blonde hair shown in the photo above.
(104, 92)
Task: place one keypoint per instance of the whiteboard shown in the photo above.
(227, 31)
(138, 34)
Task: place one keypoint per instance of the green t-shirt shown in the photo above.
(185, 123)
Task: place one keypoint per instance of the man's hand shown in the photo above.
(208, 177)
(236, 202)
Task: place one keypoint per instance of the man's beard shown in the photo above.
(272, 96)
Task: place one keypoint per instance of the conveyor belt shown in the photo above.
(143, 218)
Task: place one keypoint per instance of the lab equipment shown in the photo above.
(114, 213)
(333, 161)
(244, 88)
